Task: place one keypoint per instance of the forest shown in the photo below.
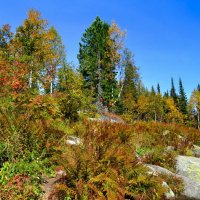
(116, 124)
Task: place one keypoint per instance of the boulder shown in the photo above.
(169, 149)
(189, 169)
(196, 150)
(73, 140)
(166, 132)
(169, 194)
(160, 170)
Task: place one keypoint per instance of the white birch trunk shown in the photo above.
(30, 79)
(51, 87)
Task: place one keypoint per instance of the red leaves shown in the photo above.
(12, 76)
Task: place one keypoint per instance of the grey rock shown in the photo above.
(191, 185)
(104, 118)
(160, 170)
(166, 132)
(189, 169)
(188, 166)
(196, 150)
(169, 148)
(72, 140)
(169, 194)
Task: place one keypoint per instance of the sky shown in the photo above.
(164, 35)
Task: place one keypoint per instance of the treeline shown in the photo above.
(33, 63)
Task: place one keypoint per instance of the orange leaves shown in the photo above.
(35, 18)
(12, 76)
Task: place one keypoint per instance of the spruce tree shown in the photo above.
(166, 94)
(198, 87)
(153, 90)
(182, 98)
(96, 65)
(131, 78)
(158, 88)
(129, 93)
(173, 92)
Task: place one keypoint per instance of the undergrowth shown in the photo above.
(107, 164)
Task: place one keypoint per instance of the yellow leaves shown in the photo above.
(141, 178)
(35, 18)
(143, 104)
(116, 35)
(195, 100)
(110, 182)
(115, 42)
(174, 114)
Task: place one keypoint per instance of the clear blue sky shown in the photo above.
(164, 35)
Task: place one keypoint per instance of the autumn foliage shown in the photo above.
(120, 124)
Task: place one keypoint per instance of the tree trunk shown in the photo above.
(51, 86)
(99, 89)
(30, 79)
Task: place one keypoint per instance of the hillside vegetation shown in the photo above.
(118, 126)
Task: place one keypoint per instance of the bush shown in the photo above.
(105, 166)
(22, 179)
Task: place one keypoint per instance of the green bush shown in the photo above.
(24, 177)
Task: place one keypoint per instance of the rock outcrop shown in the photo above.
(189, 169)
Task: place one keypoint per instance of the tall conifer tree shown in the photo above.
(129, 93)
(131, 78)
(166, 94)
(96, 64)
(182, 98)
(158, 88)
(173, 92)
(198, 87)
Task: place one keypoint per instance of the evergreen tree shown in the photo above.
(158, 88)
(166, 94)
(132, 77)
(153, 90)
(198, 87)
(97, 64)
(129, 93)
(173, 92)
(182, 98)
